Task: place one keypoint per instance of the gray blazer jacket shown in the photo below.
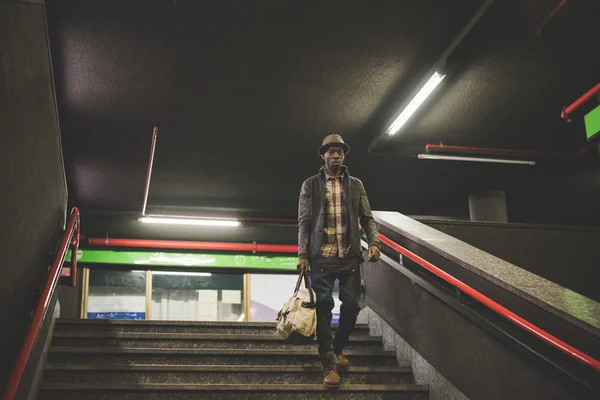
(311, 215)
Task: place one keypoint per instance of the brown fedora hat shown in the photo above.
(333, 141)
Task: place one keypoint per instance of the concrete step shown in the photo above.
(192, 340)
(195, 356)
(104, 325)
(219, 374)
(112, 359)
(66, 391)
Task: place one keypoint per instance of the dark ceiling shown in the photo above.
(244, 91)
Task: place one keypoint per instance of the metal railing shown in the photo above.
(497, 308)
(69, 239)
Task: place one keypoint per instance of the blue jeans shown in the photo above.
(322, 283)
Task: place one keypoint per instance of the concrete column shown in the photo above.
(489, 205)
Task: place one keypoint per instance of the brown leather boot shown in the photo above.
(341, 362)
(331, 379)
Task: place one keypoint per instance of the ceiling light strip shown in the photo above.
(190, 221)
(416, 102)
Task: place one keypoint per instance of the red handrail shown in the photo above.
(186, 245)
(509, 315)
(70, 238)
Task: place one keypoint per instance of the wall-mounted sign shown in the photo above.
(149, 258)
(592, 123)
(116, 315)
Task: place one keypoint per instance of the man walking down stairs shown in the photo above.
(110, 359)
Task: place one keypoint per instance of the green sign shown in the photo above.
(592, 122)
(150, 258)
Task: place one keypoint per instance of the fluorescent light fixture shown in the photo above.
(190, 221)
(410, 109)
(183, 273)
(475, 159)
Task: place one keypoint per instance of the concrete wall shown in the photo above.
(425, 374)
(440, 342)
(33, 202)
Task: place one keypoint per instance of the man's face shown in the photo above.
(334, 158)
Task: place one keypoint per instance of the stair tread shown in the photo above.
(206, 359)
(184, 336)
(219, 368)
(232, 324)
(233, 387)
(194, 350)
(102, 357)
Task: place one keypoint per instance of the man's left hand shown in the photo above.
(373, 253)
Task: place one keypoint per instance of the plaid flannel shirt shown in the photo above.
(336, 242)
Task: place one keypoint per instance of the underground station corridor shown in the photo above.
(300, 200)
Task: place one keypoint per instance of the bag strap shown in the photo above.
(306, 283)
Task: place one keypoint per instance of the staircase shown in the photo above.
(108, 359)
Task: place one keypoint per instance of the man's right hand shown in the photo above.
(303, 265)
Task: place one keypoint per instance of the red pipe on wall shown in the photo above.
(550, 16)
(274, 220)
(186, 245)
(511, 152)
(577, 103)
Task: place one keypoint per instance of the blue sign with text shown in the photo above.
(116, 315)
(335, 318)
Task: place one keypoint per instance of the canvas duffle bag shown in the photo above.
(297, 319)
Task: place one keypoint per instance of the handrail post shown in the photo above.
(74, 249)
